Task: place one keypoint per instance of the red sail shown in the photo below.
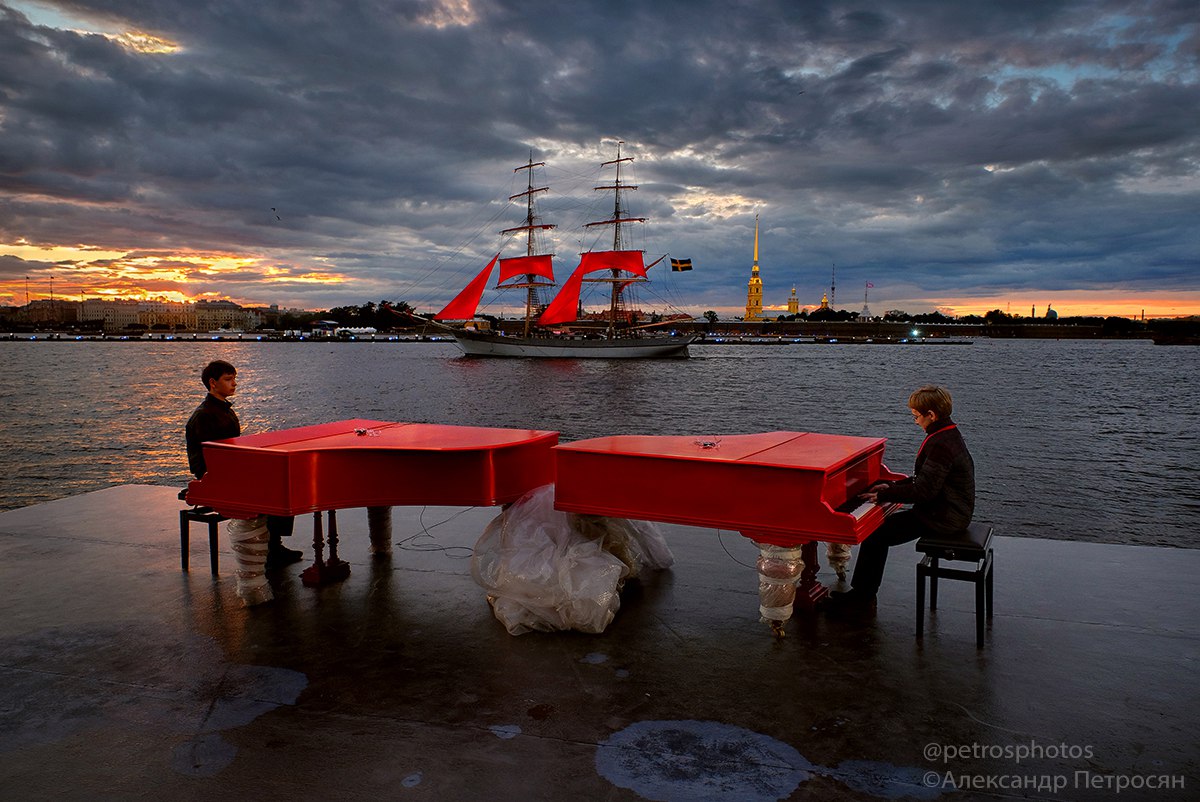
(565, 306)
(466, 302)
(527, 266)
(629, 261)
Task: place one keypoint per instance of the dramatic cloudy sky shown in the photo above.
(957, 155)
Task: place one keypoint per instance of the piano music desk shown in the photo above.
(783, 490)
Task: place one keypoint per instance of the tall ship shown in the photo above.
(553, 329)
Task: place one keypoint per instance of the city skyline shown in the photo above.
(1003, 156)
(516, 311)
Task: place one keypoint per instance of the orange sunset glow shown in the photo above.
(81, 271)
(1080, 304)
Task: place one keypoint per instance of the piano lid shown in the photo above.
(361, 433)
(778, 487)
(801, 450)
(365, 463)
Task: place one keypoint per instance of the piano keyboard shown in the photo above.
(856, 507)
(862, 509)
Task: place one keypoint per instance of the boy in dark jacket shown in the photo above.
(215, 419)
(941, 492)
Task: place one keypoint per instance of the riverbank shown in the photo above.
(392, 338)
(210, 336)
(721, 332)
(123, 676)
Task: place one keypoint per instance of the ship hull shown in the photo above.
(475, 343)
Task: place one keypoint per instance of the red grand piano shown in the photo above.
(784, 490)
(368, 463)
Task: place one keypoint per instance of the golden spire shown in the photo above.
(754, 269)
(754, 287)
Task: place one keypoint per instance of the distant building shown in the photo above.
(49, 312)
(118, 314)
(115, 314)
(793, 305)
(166, 314)
(213, 315)
(754, 291)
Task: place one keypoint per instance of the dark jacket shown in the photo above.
(214, 419)
(942, 487)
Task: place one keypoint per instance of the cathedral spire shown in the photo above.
(754, 288)
(754, 269)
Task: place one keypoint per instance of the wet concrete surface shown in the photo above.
(122, 677)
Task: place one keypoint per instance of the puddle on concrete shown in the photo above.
(58, 682)
(699, 761)
(505, 731)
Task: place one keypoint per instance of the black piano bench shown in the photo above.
(204, 515)
(972, 545)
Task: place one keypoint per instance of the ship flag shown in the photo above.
(680, 265)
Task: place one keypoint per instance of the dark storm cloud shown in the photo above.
(942, 147)
(14, 268)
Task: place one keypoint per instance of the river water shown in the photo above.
(1075, 440)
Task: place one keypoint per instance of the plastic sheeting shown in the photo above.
(838, 557)
(546, 570)
(379, 529)
(779, 569)
(248, 539)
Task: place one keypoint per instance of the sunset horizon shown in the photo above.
(1030, 305)
(168, 276)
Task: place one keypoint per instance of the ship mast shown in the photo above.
(616, 221)
(532, 225)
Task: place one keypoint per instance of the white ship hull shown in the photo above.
(475, 343)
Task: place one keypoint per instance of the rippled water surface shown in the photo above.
(1075, 440)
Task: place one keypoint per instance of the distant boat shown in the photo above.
(553, 329)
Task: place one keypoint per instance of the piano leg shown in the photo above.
(838, 556)
(379, 527)
(336, 570)
(248, 539)
(322, 571)
(779, 569)
(810, 591)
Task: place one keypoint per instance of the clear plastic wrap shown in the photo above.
(838, 557)
(379, 529)
(779, 570)
(248, 539)
(546, 570)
